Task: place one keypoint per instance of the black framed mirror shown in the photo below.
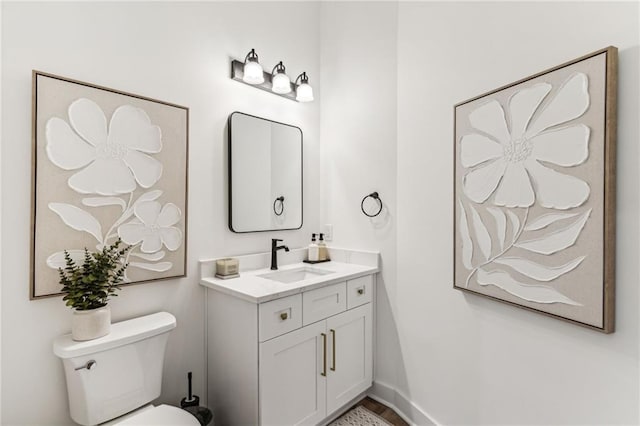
(265, 174)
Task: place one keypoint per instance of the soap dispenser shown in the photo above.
(323, 251)
(313, 251)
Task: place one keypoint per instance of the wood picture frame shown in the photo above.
(535, 192)
(106, 164)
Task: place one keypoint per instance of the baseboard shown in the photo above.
(402, 405)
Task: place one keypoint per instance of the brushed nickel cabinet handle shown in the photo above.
(333, 335)
(284, 316)
(324, 356)
(361, 291)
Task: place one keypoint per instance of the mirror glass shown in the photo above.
(265, 174)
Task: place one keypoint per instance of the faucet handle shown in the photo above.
(276, 240)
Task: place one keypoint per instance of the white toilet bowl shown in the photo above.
(162, 415)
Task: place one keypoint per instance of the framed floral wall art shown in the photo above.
(534, 208)
(107, 165)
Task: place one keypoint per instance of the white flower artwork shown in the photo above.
(153, 227)
(114, 160)
(509, 160)
(114, 157)
(529, 193)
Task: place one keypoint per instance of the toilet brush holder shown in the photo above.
(202, 414)
(190, 400)
(191, 403)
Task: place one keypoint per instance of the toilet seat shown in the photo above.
(162, 415)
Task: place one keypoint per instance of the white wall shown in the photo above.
(474, 361)
(0, 221)
(358, 133)
(169, 51)
(461, 359)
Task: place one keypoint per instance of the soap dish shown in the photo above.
(227, 277)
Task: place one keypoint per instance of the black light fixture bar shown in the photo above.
(237, 72)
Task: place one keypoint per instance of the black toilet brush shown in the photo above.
(192, 404)
(191, 400)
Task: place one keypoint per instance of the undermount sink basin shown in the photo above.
(295, 275)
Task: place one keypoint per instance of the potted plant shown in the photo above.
(88, 287)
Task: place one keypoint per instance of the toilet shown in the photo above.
(113, 379)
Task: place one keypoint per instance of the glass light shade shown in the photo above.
(304, 93)
(281, 83)
(253, 73)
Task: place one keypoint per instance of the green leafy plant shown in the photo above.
(89, 286)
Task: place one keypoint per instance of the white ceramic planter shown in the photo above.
(90, 324)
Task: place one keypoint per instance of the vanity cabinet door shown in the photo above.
(292, 387)
(350, 356)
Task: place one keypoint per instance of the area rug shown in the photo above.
(360, 416)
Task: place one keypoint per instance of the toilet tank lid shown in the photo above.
(122, 333)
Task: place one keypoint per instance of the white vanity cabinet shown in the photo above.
(291, 391)
(349, 356)
(290, 361)
(308, 374)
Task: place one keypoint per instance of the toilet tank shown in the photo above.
(127, 369)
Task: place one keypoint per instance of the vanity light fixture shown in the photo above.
(277, 81)
(304, 91)
(253, 73)
(280, 82)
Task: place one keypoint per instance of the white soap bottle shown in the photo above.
(323, 252)
(313, 251)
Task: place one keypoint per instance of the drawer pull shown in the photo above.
(284, 316)
(333, 335)
(361, 291)
(324, 356)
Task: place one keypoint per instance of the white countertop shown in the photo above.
(253, 288)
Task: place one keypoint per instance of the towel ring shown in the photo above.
(275, 210)
(376, 197)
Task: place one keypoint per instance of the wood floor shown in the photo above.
(382, 410)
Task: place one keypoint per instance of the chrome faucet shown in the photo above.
(274, 253)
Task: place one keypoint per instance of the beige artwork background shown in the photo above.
(52, 97)
(585, 284)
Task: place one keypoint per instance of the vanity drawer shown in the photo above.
(359, 291)
(323, 302)
(279, 316)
